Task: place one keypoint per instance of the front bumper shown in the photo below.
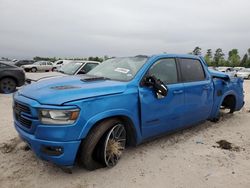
(66, 158)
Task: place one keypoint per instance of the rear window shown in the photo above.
(191, 70)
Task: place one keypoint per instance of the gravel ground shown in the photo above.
(189, 158)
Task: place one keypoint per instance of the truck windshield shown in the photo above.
(123, 69)
(70, 68)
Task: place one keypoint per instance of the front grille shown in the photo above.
(22, 108)
(18, 110)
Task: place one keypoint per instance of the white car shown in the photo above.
(239, 68)
(59, 63)
(244, 73)
(72, 68)
(228, 70)
(38, 66)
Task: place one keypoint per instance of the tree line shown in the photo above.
(214, 59)
(218, 57)
(53, 59)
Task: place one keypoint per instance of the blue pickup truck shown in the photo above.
(122, 102)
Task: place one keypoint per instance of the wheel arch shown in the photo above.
(132, 136)
(9, 76)
(229, 100)
(216, 108)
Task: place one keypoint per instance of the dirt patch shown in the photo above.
(9, 146)
(223, 144)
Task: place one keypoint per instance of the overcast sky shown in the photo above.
(80, 28)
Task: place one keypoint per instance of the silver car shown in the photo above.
(245, 73)
(228, 70)
(72, 68)
(38, 66)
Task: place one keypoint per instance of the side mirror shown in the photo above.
(159, 87)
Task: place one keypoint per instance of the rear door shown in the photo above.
(198, 87)
(41, 66)
(160, 115)
(49, 66)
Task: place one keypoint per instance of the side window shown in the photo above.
(59, 63)
(89, 66)
(191, 70)
(43, 63)
(49, 63)
(165, 70)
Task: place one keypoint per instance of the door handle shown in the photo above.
(206, 87)
(178, 91)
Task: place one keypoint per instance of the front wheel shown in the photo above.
(114, 145)
(104, 145)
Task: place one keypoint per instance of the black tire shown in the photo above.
(7, 85)
(33, 69)
(248, 77)
(53, 69)
(91, 147)
(216, 119)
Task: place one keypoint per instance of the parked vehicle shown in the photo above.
(11, 77)
(38, 66)
(239, 68)
(228, 70)
(71, 68)
(121, 102)
(244, 73)
(78, 67)
(24, 62)
(212, 68)
(59, 63)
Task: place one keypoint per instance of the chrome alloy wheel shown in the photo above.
(114, 145)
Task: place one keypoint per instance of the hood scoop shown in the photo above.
(64, 87)
(93, 78)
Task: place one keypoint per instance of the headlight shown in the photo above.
(58, 116)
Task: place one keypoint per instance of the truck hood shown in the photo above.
(34, 77)
(57, 91)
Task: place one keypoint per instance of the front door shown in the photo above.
(165, 114)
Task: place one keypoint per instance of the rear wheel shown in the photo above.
(7, 85)
(33, 69)
(104, 145)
